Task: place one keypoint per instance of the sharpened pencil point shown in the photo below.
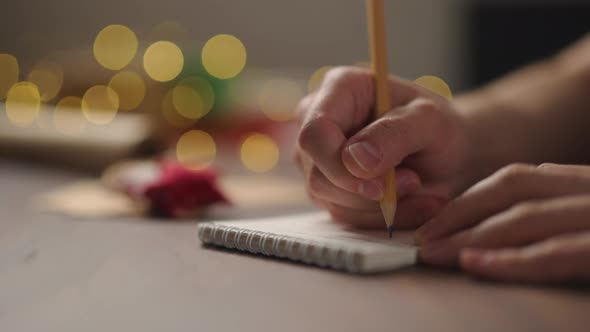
(390, 230)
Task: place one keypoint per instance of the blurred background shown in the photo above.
(215, 82)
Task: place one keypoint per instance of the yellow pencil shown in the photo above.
(378, 50)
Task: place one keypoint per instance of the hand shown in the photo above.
(524, 223)
(344, 155)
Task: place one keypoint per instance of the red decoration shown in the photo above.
(180, 191)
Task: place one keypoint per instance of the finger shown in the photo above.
(363, 219)
(497, 193)
(347, 96)
(411, 212)
(580, 170)
(322, 141)
(559, 259)
(341, 106)
(383, 144)
(415, 210)
(521, 225)
(304, 106)
(321, 187)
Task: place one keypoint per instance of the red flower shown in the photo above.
(180, 191)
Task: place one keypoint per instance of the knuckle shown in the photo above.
(390, 128)
(514, 174)
(303, 106)
(426, 107)
(341, 76)
(524, 212)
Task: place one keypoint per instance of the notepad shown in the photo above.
(313, 238)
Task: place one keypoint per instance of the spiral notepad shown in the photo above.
(313, 239)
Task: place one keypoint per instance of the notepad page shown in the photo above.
(378, 252)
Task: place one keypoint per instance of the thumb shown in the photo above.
(385, 143)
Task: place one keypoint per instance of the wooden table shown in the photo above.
(59, 274)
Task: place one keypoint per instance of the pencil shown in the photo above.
(378, 51)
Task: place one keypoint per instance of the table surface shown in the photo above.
(61, 274)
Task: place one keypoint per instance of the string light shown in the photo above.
(278, 99)
(115, 46)
(9, 72)
(436, 85)
(130, 88)
(316, 78)
(196, 149)
(163, 61)
(67, 116)
(224, 56)
(48, 77)
(23, 103)
(259, 153)
(100, 104)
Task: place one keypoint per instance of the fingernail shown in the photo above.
(371, 189)
(365, 155)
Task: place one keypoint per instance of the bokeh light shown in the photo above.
(259, 153)
(130, 88)
(23, 103)
(224, 56)
(436, 85)
(278, 99)
(196, 149)
(163, 61)
(68, 118)
(100, 104)
(115, 46)
(171, 115)
(43, 120)
(193, 97)
(9, 72)
(48, 77)
(316, 78)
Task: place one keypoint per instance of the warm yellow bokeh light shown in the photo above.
(278, 99)
(23, 102)
(224, 56)
(315, 80)
(171, 115)
(196, 149)
(435, 85)
(193, 97)
(259, 153)
(163, 61)
(168, 30)
(100, 104)
(9, 72)
(115, 46)
(68, 118)
(130, 88)
(48, 77)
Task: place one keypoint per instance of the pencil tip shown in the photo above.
(390, 230)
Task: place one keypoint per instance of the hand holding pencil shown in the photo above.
(348, 155)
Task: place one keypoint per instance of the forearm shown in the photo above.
(538, 114)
